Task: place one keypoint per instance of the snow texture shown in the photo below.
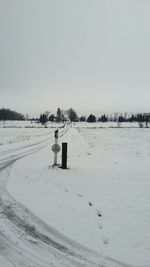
(101, 201)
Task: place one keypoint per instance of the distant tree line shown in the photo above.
(71, 115)
(140, 118)
(7, 114)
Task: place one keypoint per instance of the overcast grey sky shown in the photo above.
(86, 54)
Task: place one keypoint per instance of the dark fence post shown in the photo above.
(64, 155)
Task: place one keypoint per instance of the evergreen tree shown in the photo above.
(146, 121)
(132, 118)
(82, 118)
(104, 118)
(43, 119)
(121, 119)
(59, 115)
(140, 117)
(91, 118)
(52, 118)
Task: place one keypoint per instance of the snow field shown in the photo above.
(102, 200)
(4, 262)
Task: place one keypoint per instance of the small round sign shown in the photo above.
(55, 148)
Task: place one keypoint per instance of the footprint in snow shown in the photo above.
(106, 240)
(66, 190)
(99, 214)
(100, 226)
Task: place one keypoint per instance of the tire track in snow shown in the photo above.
(8, 214)
(24, 146)
(29, 235)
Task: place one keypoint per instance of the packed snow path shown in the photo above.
(25, 240)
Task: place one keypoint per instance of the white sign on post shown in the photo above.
(55, 148)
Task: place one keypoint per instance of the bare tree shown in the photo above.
(72, 114)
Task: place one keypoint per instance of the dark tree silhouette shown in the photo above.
(72, 114)
(7, 114)
(147, 119)
(43, 119)
(59, 115)
(103, 118)
(91, 118)
(132, 118)
(121, 119)
(52, 118)
(82, 118)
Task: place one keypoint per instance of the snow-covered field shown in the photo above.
(10, 136)
(20, 124)
(17, 131)
(101, 201)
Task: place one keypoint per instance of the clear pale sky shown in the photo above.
(92, 55)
